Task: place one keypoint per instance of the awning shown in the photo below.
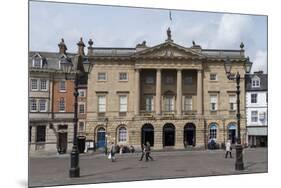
(257, 131)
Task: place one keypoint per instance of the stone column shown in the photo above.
(179, 92)
(158, 92)
(137, 92)
(199, 92)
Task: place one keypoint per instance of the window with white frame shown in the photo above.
(101, 76)
(262, 116)
(188, 103)
(34, 84)
(62, 105)
(213, 131)
(81, 126)
(255, 82)
(232, 102)
(82, 92)
(254, 98)
(81, 108)
(123, 103)
(101, 103)
(213, 76)
(214, 102)
(123, 76)
(254, 116)
(37, 62)
(122, 134)
(62, 85)
(149, 103)
(43, 85)
(169, 103)
(169, 79)
(149, 79)
(42, 105)
(33, 105)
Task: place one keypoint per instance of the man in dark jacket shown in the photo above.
(147, 152)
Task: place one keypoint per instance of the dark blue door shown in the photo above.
(101, 138)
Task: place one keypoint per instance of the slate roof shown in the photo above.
(263, 82)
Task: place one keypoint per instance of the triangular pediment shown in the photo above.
(169, 49)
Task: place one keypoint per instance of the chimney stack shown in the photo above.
(62, 47)
(81, 46)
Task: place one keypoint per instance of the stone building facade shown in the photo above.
(173, 96)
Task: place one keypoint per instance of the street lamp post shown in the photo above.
(106, 135)
(239, 165)
(82, 68)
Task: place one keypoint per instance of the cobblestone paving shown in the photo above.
(53, 169)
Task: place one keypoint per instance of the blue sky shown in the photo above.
(126, 27)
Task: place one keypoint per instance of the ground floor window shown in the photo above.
(122, 134)
(41, 133)
(213, 131)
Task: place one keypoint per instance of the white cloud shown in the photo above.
(260, 61)
(232, 29)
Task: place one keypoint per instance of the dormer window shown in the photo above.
(255, 82)
(37, 61)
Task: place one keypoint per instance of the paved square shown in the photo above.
(53, 170)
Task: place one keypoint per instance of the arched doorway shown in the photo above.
(101, 137)
(147, 134)
(168, 135)
(232, 133)
(189, 134)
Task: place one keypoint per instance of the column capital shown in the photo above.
(199, 70)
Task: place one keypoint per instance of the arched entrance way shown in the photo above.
(232, 132)
(147, 134)
(189, 134)
(101, 137)
(168, 135)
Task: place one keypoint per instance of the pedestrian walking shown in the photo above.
(147, 152)
(143, 147)
(228, 149)
(113, 151)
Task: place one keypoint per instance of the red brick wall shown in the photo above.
(67, 95)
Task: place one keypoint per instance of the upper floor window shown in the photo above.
(149, 103)
(169, 80)
(62, 86)
(188, 103)
(62, 105)
(37, 62)
(254, 116)
(149, 80)
(254, 98)
(123, 103)
(123, 76)
(101, 103)
(255, 82)
(214, 102)
(102, 76)
(82, 108)
(232, 102)
(82, 92)
(169, 103)
(34, 84)
(43, 85)
(213, 76)
(188, 80)
(42, 105)
(33, 105)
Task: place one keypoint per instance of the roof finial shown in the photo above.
(62, 47)
(242, 45)
(81, 46)
(169, 35)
